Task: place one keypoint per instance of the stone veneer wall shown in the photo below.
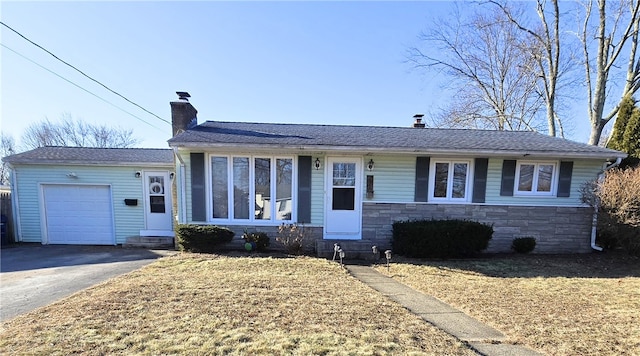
(313, 234)
(556, 229)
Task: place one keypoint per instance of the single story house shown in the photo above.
(348, 184)
(93, 196)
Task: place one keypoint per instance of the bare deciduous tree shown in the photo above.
(7, 148)
(495, 68)
(72, 132)
(616, 31)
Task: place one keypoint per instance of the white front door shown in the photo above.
(157, 192)
(343, 203)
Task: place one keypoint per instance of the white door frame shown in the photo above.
(343, 224)
(159, 222)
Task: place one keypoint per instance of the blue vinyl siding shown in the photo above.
(394, 178)
(583, 170)
(129, 220)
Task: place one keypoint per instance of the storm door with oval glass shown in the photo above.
(157, 191)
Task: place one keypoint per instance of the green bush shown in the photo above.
(440, 238)
(201, 238)
(523, 244)
(258, 239)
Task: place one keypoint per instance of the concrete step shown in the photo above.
(159, 242)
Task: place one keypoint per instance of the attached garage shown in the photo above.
(92, 196)
(78, 214)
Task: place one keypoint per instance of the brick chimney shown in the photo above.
(183, 114)
(417, 123)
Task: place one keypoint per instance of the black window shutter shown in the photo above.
(508, 177)
(198, 199)
(564, 179)
(480, 180)
(422, 179)
(304, 189)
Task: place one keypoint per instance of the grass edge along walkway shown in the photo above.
(480, 337)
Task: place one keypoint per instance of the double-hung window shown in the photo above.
(449, 180)
(245, 188)
(535, 178)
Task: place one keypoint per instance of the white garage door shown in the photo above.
(79, 214)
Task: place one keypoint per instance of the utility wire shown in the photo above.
(78, 86)
(81, 72)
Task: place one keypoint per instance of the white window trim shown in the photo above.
(432, 180)
(252, 220)
(534, 184)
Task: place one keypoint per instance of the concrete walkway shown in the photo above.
(481, 338)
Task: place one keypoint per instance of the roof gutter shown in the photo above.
(594, 222)
(402, 150)
(182, 205)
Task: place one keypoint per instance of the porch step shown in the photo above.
(353, 249)
(159, 242)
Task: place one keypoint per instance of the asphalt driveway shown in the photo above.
(32, 276)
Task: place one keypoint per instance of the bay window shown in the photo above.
(258, 188)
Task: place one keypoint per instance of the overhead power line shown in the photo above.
(78, 86)
(81, 72)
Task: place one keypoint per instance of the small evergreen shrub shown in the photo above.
(257, 241)
(523, 244)
(440, 238)
(201, 238)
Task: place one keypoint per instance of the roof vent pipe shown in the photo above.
(418, 121)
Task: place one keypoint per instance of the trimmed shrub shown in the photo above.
(523, 244)
(257, 241)
(440, 238)
(201, 238)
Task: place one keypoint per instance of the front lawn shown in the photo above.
(208, 304)
(558, 305)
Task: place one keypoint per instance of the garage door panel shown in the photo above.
(79, 214)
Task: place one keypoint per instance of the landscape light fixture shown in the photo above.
(387, 254)
(336, 249)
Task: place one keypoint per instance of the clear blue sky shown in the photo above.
(290, 62)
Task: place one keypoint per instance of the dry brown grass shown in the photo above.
(558, 305)
(206, 304)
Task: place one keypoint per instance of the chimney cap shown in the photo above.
(418, 121)
(183, 95)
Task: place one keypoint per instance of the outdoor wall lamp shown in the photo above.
(317, 163)
(138, 174)
(370, 165)
(172, 175)
(72, 175)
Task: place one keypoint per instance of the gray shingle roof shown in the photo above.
(384, 139)
(94, 156)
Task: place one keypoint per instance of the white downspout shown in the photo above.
(594, 222)
(182, 216)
